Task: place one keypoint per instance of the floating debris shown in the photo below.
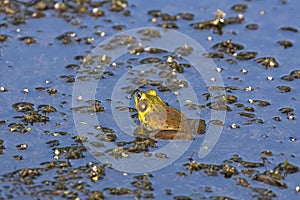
(287, 111)
(118, 191)
(3, 37)
(93, 106)
(214, 55)
(22, 146)
(17, 127)
(23, 106)
(263, 193)
(242, 182)
(266, 178)
(85, 27)
(151, 60)
(293, 75)
(228, 47)
(181, 197)
(235, 126)
(219, 22)
(142, 182)
(244, 71)
(248, 115)
(211, 169)
(246, 55)
(28, 40)
(46, 108)
(1, 147)
(3, 89)
(34, 117)
(289, 28)
(239, 7)
(285, 43)
(287, 168)
(284, 89)
(267, 62)
(185, 50)
(252, 27)
(219, 106)
(261, 103)
(186, 16)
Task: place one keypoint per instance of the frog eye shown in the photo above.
(143, 105)
(138, 94)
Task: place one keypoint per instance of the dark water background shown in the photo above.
(25, 66)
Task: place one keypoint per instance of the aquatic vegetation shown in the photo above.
(254, 51)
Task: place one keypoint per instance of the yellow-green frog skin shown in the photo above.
(162, 120)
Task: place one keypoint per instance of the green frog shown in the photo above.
(159, 119)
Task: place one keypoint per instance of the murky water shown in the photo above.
(51, 148)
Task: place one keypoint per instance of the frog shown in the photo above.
(160, 120)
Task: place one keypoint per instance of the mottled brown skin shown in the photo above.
(163, 121)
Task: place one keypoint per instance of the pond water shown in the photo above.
(67, 118)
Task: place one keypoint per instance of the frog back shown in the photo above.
(165, 118)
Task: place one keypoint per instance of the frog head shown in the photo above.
(145, 102)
